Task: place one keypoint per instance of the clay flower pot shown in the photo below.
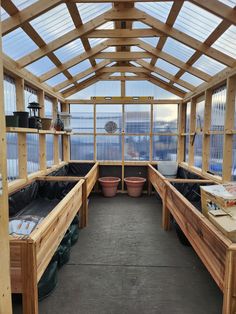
(46, 123)
(109, 185)
(134, 186)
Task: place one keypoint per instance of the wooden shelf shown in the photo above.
(29, 130)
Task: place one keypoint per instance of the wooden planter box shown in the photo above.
(216, 251)
(30, 255)
(90, 180)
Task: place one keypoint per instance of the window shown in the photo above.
(48, 107)
(49, 150)
(9, 95)
(82, 147)
(200, 109)
(30, 96)
(137, 119)
(109, 147)
(164, 147)
(32, 141)
(12, 156)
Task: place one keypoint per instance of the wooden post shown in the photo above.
(165, 212)
(192, 131)
(42, 137)
(29, 273)
(22, 147)
(206, 128)
(181, 119)
(123, 93)
(5, 288)
(229, 126)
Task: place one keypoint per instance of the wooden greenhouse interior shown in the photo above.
(119, 89)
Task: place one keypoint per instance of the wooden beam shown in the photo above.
(124, 78)
(121, 55)
(5, 285)
(124, 100)
(161, 72)
(27, 14)
(81, 75)
(169, 58)
(123, 69)
(185, 39)
(218, 8)
(124, 33)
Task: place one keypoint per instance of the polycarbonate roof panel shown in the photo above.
(41, 66)
(153, 41)
(181, 87)
(177, 49)
(230, 3)
(148, 60)
(70, 50)
(4, 14)
(54, 23)
(96, 41)
(57, 79)
(138, 25)
(22, 4)
(209, 65)
(130, 74)
(109, 49)
(89, 11)
(159, 10)
(166, 66)
(108, 25)
(191, 79)
(135, 64)
(65, 88)
(160, 77)
(82, 66)
(136, 48)
(196, 22)
(17, 44)
(227, 42)
(85, 78)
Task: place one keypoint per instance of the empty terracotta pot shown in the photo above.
(134, 185)
(109, 185)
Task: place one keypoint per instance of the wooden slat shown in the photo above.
(124, 33)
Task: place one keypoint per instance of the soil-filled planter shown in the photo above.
(46, 123)
(73, 169)
(134, 186)
(109, 185)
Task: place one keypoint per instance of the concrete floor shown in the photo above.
(124, 263)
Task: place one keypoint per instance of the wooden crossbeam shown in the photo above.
(185, 39)
(124, 33)
(81, 75)
(218, 8)
(123, 69)
(161, 72)
(123, 55)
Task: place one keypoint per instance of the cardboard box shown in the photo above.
(226, 224)
(218, 197)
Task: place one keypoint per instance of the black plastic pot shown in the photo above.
(12, 121)
(74, 230)
(64, 249)
(23, 118)
(48, 281)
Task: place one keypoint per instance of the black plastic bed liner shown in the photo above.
(74, 170)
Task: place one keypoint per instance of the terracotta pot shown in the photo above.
(46, 123)
(109, 185)
(134, 186)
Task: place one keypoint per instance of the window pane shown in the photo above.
(109, 147)
(137, 119)
(82, 118)
(9, 95)
(218, 109)
(137, 147)
(49, 150)
(188, 112)
(32, 141)
(60, 148)
(234, 159)
(165, 118)
(186, 146)
(165, 147)
(30, 95)
(12, 156)
(48, 107)
(216, 153)
(200, 107)
(82, 147)
(109, 117)
(198, 151)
